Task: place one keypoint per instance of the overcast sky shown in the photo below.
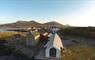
(72, 12)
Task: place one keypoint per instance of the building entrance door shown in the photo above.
(52, 52)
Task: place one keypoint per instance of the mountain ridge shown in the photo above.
(27, 24)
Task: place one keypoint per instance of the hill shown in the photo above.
(53, 23)
(21, 24)
(27, 24)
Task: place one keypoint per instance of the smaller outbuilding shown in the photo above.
(33, 37)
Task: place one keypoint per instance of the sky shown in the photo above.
(72, 12)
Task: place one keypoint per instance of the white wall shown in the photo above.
(47, 52)
(58, 53)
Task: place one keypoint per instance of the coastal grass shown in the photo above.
(8, 34)
(81, 51)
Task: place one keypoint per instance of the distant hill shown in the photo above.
(27, 24)
(21, 24)
(52, 23)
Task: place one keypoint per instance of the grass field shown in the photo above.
(81, 51)
(8, 34)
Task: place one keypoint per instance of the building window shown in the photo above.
(52, 52)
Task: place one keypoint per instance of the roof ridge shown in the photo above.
(53, 39)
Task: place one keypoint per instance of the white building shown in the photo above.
(33, 37)
(53, 47)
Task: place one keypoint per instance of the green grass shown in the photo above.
(81, 51)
